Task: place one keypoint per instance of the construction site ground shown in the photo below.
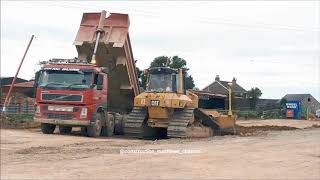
(262, 149)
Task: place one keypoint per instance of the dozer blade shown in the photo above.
(192, 123)
(199, 132)
(208, 121)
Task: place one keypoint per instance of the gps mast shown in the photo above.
(95, 90)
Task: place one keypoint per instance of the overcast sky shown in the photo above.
(270, 45)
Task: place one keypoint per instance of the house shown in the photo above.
(8, 80)
(21, 86)
(209, 100)
(25, 88)
(239, 93)
(221, 87)
(22, 90)
(268, 104)
(307, 101)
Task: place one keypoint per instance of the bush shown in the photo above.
(20, 117)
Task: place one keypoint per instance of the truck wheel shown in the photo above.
(83, 131)
(119, 124)
(65, 129)
(95, 130)
(47, 128)
(108, 129)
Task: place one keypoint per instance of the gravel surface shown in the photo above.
(289, 152)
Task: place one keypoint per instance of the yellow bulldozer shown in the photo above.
(167, 109)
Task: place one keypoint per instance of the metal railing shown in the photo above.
(18, 109)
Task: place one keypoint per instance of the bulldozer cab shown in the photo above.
(164, 79)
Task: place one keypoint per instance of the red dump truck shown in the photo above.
(95, 90)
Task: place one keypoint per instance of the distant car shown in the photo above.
(318, 113)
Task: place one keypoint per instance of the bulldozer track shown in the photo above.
(178, 123)
(134, 122)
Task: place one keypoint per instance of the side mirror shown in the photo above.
(100, 79)
(99, 87)
(36, 79)
(99, 82)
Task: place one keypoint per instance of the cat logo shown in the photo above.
(154, 102)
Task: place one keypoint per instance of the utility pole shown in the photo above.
(6, 102)
(230, 99)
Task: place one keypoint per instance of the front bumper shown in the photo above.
(63, 122)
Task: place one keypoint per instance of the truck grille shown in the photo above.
(62, 97)
(60, 116)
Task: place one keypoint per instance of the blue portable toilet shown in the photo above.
(293, 109)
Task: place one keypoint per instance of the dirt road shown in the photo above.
(293, 154)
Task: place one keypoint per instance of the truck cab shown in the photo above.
(71, 93)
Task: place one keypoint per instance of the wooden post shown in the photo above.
(7, 102)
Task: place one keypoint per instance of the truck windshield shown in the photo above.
(160, 82)
(65, 79)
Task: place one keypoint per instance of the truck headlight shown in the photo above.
(84, 112)
(60, 108)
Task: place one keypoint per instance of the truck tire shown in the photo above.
(65, 129)
(83, 131)
(119, 124)
(95, 130)
(108, 129)
(47, 128)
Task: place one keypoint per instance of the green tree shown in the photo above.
(160, 61)
(254, 94)
(282, 103)
(177, 62)
(282, 107)
(173, 62)
(189, 82)
(141, 77)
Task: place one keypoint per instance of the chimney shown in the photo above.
(217, 78)
(234, 81)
